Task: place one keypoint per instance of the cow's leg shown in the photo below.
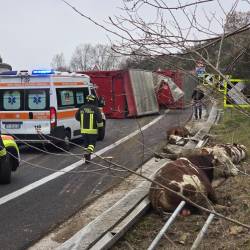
(211, 195)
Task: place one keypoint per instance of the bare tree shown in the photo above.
(87, 57)
(82, 58)
(106, 58)
(173, 30)
(58, 62)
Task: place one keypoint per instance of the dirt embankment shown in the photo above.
(233, 193)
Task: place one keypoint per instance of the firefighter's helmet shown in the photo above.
(90, 98)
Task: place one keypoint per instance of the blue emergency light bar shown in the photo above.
(43, 72)
(9, 73)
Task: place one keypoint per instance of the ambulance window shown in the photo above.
(79, 97)
(12, 100)
(66, 97)
(81, 94)
(37, 99)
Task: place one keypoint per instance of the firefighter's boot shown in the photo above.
(87, 158)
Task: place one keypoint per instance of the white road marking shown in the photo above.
(65, 170)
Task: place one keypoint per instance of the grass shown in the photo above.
(234, 127)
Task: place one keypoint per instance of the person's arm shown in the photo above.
(99, 121)
(193, 95)
(202, 94)
(77, 115)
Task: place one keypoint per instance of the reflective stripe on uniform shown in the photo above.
(91, 119)
(81, 124)
(89, 131)
(100, 124)
(3, 152)
(91, 148)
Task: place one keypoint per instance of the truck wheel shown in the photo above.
(66, 143)
(101, 133)
(5, 170)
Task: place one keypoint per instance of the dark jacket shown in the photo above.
(90, 118)
(197, 95)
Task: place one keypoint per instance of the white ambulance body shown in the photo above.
(41, 107)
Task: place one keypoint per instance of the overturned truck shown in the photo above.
(132, 93)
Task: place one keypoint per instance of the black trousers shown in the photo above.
(197, 109)
(89, 142)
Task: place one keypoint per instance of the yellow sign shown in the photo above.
(234, 96)
(215, 80)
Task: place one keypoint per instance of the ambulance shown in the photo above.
(40, 107)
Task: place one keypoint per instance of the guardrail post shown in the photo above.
(165, 227)
(202, 232)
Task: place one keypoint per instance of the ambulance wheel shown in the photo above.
(101, 133)
(5, 170)
(66, 143)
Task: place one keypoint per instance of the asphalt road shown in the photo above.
(30, 216)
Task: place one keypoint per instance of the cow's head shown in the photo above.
(223, 165)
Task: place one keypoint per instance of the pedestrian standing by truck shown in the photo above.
(197, 97)
(90, 119)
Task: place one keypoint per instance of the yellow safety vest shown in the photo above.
(8, 142)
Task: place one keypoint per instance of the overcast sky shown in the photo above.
(33, 31)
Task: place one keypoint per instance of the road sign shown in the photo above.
(200, 71)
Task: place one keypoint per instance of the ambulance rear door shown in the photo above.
(25, 109)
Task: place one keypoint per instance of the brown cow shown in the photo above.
(177, 135)
(227, 155)
(185, 178)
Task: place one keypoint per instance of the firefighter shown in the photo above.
(90, 119)
(3, 152)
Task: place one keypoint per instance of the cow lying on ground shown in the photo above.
(177, 135)
(236, 152)
(190, 177)
(227, 155)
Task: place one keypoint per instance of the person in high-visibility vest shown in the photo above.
(90, 119)
(3, 151)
